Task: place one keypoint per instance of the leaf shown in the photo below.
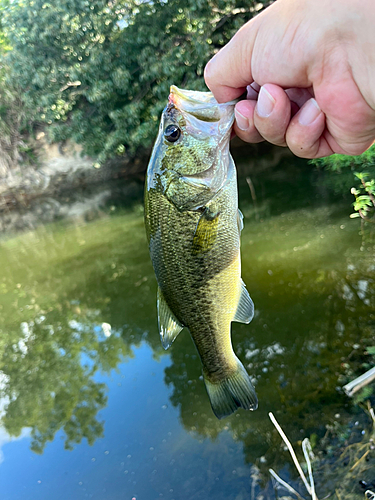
(124, 53)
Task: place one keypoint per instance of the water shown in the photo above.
(91, 405)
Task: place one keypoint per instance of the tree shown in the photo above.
(12, 112)
(99, 71)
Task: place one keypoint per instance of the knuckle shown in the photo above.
(272, 128)
(251, 135)
(354, 149)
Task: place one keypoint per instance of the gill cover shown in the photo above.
(190, 159)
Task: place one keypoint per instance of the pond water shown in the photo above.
(91, 406)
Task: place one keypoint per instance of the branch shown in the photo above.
(359, 382)
(364, 217)
(372, 198)
(291, 451)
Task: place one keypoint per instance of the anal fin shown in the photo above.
(169, 326)
(245, 308)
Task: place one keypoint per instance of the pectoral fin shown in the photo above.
(169, 326)
(206, 231)
(239, 220)
(245, 308)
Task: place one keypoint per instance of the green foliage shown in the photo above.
(364, 197)
(4, 42)
(12, 109)
(363, 169)
(99, 72)
(362, 395)
(337, 163)
(12, 120)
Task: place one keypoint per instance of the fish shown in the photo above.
(193, 227)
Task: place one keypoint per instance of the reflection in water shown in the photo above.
(6, 438)
(315, 301)
(52, 342)
(76, 302)
(49, 374)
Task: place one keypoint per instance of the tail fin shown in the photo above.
(234, 391)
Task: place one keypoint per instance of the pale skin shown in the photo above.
(309, 67)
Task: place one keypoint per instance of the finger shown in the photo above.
(350, 121)
(244, 124)
(228, 73)
(352, 148)
(298, 97)
(272, 114)
(253, 91)
(261, 51)
(305, 133)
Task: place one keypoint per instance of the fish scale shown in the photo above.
(193, 228)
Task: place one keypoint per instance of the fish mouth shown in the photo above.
(180, 96)
(201, 105)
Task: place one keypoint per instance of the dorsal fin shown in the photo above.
(245, 308)
(169, 326)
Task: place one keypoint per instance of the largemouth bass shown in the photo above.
(193, 226)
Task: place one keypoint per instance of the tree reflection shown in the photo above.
(67, 313)
(59, 288)
(298, 348)
(49, 377)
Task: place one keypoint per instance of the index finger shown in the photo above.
(229, 72)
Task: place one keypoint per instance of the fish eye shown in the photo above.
(172, 133)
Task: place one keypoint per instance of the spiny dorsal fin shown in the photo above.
(169, 326)
(245, 308)
(206, 230)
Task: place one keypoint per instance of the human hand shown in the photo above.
(315, 63)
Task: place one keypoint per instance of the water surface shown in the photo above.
(91, 405)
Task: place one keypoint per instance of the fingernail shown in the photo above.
(265, 103)
(309, 112)
(253, 91)
(241, 120)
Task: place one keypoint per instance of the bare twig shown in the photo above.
(252, 189)
(364, 217)
(291, 451)
(307, 451)
(253, 195)
(357, 384)
(372, 413)
(360, 460)
(285, 484)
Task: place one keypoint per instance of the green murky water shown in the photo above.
(91, 406)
